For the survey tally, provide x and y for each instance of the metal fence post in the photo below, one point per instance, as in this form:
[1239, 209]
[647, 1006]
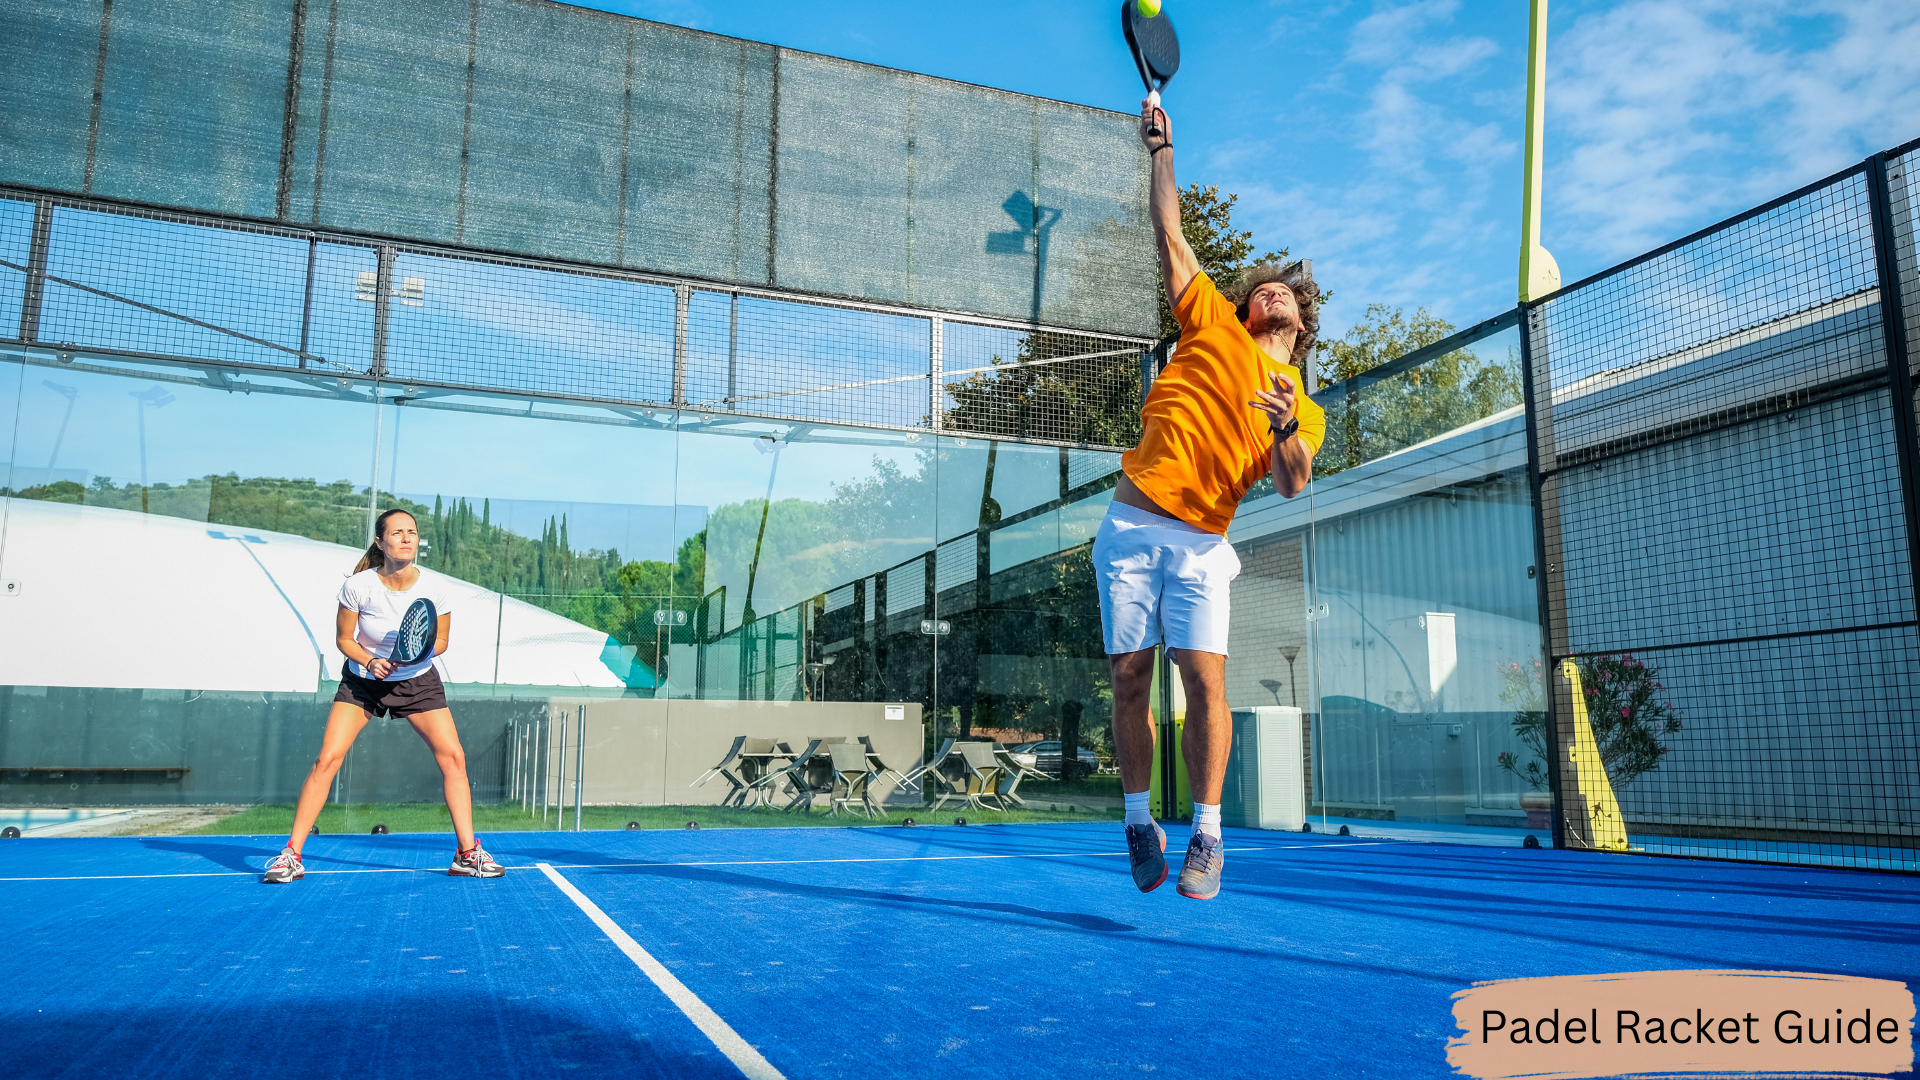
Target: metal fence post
[580, 761]
[1893, 325]
[682, 300]
[936, 393]
[36, 271]
[1530, 391]
[382, 308]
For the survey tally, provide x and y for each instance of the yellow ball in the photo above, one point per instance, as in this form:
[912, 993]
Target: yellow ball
[1147, 8]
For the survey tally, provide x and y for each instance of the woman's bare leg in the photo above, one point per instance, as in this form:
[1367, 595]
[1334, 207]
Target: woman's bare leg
[443, 738]
[344, 722]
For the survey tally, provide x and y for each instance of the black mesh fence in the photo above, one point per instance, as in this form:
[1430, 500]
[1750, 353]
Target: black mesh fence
[87, 277]
[549, 131]
[1723, 439]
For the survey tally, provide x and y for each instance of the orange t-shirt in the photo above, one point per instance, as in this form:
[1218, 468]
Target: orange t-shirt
[1201, 444]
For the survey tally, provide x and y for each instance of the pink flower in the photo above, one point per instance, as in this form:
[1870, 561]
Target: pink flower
[1624, 714]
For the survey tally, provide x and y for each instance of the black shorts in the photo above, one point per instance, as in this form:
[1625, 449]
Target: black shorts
[422, 693]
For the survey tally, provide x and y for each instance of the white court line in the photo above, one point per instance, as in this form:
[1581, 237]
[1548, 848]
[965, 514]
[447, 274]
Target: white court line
[743, 862]
[728, 1041]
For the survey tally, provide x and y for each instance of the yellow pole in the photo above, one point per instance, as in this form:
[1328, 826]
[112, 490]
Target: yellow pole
[1593, 816]
[1539, 274]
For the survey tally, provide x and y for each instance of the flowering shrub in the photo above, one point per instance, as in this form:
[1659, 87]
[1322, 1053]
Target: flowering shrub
[1624, 707]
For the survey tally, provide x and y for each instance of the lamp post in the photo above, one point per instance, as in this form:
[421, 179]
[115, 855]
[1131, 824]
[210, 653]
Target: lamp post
[155, 397]
[71, 394]
[1289, 652]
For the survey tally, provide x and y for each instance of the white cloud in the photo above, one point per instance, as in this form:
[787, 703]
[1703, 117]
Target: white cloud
[1663, 117]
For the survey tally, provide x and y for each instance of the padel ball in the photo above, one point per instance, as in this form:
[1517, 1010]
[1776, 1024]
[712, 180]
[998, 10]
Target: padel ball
[909, 823]
[633, 826]
[959, 821]
[1531, 841]
[379, 830]
[1344, 831]
[693, 824]
[1147, 8]
[10, 833]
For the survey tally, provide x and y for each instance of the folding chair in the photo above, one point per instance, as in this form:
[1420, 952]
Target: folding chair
[737, 788]
[795, 774]
[757, 757]
[914, 776]
[979, 779]
[852, 779]
[1013, 770]
[881, 768]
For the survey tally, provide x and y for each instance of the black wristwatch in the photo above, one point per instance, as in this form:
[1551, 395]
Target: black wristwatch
[1282, 434]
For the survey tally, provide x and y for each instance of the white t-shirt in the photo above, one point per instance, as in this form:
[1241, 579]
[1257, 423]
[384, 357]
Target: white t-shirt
[381, 610]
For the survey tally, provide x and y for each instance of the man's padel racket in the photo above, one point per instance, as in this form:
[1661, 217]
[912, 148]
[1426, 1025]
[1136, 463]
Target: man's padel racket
[419, 628]
[1156, 51]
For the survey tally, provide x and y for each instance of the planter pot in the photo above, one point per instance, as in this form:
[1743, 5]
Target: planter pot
[1539, 808]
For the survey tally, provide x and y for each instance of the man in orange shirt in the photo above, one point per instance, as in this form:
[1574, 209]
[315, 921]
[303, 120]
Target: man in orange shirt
[1229, 409]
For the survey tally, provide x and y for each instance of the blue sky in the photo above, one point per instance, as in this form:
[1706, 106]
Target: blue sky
[1383, 139]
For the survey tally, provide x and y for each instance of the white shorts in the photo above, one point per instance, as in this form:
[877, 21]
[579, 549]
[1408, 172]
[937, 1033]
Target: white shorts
[1161, 580]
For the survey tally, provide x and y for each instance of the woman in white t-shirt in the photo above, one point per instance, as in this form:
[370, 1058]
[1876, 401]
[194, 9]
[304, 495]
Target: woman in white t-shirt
[372, 602]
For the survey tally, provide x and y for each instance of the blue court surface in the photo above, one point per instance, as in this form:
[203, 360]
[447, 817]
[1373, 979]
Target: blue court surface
[932, 951]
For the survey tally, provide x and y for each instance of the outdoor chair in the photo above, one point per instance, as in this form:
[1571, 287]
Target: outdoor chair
[1014, 770]
[882, 769]
[756, 768]
[736, 787]
[915, 775]
[852, 779]
[795, 774]
[979, 779]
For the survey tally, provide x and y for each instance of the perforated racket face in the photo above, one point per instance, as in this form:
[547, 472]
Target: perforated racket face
[1155, 48]
[418, 628]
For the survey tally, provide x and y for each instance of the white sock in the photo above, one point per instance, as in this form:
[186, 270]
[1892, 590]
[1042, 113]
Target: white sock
[1137, 812]
[1206, 818]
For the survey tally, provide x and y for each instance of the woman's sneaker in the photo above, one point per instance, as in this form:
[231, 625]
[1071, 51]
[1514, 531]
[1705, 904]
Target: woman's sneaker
[283, 868]
[475, 862]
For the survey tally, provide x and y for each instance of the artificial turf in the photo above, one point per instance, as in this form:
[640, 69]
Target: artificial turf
[275, 818]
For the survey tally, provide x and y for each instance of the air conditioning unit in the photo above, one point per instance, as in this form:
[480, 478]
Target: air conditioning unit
[1266, 784]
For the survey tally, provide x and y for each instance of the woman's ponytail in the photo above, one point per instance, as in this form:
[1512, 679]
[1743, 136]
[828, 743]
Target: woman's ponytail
[375, 557]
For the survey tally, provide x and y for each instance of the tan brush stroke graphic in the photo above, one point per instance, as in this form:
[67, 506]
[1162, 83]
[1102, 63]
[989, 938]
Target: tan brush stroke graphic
[1763, 1023]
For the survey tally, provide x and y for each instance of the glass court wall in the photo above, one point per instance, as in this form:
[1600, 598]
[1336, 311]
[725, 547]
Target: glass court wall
[668, 524]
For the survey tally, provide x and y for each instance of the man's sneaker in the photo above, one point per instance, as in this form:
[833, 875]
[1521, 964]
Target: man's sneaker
[475, 862]
[1146, 845]
[1200, 877]
[283, 868]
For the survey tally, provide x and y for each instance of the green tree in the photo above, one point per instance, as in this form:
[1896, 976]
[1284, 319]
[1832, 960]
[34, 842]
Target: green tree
[1206, 220]
[1626, 708]
[1095, 399]
[1410, 407]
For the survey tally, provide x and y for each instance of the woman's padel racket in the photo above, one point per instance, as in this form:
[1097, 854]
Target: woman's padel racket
[1156, 51]
[419, 628]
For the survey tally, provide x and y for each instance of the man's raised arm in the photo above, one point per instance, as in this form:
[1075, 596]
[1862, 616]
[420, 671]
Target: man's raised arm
[1177, 264]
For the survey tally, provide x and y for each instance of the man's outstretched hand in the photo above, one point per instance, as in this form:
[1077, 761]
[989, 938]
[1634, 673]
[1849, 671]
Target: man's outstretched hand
[1277, 403]
[1150, 113]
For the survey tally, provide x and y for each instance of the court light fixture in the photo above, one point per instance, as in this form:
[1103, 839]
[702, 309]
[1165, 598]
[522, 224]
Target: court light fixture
[412, 291]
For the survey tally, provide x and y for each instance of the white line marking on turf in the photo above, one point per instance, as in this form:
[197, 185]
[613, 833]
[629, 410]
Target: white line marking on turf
[729, 1042]
[742, 862]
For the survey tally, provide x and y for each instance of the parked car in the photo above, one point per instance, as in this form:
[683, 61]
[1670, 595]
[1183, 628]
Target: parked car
[1046, 754]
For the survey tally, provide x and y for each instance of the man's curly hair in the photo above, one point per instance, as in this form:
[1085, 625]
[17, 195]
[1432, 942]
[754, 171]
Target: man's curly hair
[1306, 294]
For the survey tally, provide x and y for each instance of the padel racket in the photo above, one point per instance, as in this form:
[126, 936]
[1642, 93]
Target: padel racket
[1156, 51]
[419, 628]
